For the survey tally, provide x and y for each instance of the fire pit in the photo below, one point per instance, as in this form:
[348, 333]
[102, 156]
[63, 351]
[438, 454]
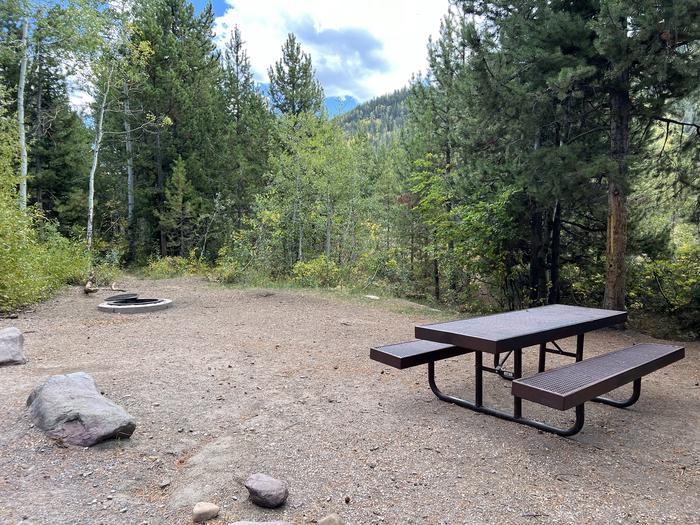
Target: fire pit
[129, 303]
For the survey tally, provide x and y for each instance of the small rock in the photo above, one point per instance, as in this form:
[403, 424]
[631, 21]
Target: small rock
[11, 347]
[204, 511]
[331, 519]
[165, 483]
[266, 491]
[373, 297]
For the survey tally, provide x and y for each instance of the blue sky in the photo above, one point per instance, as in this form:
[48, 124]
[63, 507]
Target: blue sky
[363, 48]
[220, 6]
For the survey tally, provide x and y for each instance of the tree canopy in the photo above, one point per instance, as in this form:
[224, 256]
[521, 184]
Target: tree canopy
[549, 153]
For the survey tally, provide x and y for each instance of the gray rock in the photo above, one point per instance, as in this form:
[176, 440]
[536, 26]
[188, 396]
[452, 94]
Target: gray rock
[11, 344]
[204, 511]
[266, 491]
[331, 519]
[70, 408]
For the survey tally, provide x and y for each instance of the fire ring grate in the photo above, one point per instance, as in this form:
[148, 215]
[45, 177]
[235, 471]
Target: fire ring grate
[131, 304]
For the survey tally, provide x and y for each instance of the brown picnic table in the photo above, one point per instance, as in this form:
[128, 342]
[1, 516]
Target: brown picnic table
[507, 334]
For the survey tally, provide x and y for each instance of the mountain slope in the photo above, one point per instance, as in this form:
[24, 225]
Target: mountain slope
[380, 118]
[334, 105]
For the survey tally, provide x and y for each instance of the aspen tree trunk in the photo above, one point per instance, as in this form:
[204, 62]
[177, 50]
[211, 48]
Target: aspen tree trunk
[20, 114]
[39, 119]
[297, 214]
[616, 246]
[130, 206]
[95, 157]
[329, 228]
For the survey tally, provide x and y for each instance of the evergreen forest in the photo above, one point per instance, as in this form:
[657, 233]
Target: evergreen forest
[549, 153]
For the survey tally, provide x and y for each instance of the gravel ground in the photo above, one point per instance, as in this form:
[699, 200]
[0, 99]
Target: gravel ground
[230, 382]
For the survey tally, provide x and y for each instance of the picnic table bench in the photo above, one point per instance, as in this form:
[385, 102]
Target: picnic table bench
[569, 386]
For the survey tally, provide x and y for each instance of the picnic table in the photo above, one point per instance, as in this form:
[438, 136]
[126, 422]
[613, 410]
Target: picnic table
[507, 334]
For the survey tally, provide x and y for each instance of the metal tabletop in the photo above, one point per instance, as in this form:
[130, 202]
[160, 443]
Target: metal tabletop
[514, 330]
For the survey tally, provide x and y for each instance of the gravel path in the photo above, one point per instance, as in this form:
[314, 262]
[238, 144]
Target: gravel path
[230, 382]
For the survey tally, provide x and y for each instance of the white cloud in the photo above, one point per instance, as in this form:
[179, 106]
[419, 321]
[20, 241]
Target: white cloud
[393, 35]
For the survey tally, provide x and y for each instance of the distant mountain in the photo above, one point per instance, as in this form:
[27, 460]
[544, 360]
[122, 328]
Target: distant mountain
[334, 105]
[380, 118]
[339, 105]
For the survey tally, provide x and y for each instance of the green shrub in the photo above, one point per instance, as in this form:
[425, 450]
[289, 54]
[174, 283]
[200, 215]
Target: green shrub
[166, 267]
[228, 270]
[316, 272]
[105, 273]
[35, 259]
[668, 286]
[67, 261]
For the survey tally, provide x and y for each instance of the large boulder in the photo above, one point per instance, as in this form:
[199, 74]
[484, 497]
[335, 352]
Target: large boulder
[11, 344]
[266, 491]
[70, 408]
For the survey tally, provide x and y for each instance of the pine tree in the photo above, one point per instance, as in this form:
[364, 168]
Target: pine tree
[177, 219]
[293, 86]
[650, 53]
[628, 60]
[249, 126]
[184, 97]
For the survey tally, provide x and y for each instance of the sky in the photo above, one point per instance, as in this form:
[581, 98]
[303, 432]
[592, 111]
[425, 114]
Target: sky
[363, 48]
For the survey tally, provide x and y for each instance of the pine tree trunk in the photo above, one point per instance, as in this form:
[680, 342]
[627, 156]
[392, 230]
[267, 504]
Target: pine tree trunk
[160, 186]
[182, 235]
[131, 202]
[20, 114]
[436, 279]
[95, 156]
[616, 246]
[535, 250]
[554, 265]
[300, 243]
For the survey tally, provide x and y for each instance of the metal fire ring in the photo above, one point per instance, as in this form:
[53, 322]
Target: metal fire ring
[121, 297]
[134, 306]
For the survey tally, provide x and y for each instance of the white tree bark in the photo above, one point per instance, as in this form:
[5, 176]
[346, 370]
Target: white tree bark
[95, 157]
[20, 114]
[129, 172]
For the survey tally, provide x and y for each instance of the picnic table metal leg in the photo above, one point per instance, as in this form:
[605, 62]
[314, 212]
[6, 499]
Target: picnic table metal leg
[579, 347]
[543, 357]
[472, 405]
[498, 364]
[478, 379]
[517, 374]
[636, 391]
